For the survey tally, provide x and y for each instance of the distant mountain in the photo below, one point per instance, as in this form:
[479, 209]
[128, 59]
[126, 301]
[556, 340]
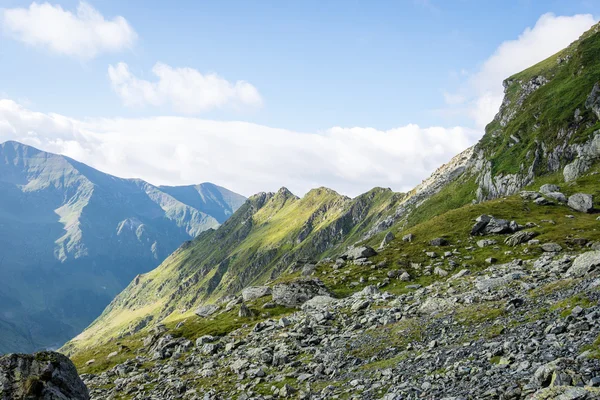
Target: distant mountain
[72, 237]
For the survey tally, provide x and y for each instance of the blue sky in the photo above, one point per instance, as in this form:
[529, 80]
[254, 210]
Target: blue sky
[314, 65]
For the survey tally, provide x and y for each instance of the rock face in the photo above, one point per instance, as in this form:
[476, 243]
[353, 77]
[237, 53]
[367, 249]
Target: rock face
[298, 292]
[581, 202]
[43, 376]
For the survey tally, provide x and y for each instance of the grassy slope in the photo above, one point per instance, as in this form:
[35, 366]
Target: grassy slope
[447, 214]
[453, 225]
[255, 245]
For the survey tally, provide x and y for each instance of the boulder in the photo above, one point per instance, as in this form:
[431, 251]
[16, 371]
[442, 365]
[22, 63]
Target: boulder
[255, 292]
[438, 242]
[43, 376]
[319, 303]
[496, 225]
[298, 292]
[408, 237]
[480, 223]
[388, 238]
[549, 188]
[575, 169]
[486, 242]
[584, 264]
[558, 196]
[551, 247]
[206, 310]
[528, 195]
[354, 253]
[244, 312]
[519, 237]
[581, 202]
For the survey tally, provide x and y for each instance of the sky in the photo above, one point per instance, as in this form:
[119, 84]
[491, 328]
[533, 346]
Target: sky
[258, 95]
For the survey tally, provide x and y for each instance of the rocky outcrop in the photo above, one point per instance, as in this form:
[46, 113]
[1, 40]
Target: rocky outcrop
[43, 376]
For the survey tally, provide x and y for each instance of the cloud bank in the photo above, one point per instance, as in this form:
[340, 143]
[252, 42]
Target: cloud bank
[186, 90]
[84, 34]
[244, 157]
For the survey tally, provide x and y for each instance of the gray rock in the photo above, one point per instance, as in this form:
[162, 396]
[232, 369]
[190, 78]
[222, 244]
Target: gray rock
[408, 238]
[551, 247]
[593, 100]
[575, 169]
[308, 270]
[438, 242]
[254, 292]
[542, 201]
[480, 223]
[207, 310]
[528, 195]
[486, 242]
[584, 264]
[319, 303]
[354, 253]
[581, 202]
[43, 376]
[558, 196]
[519, 237]
[549, 188]
[244, 312]
[296, 293]
[388, 238]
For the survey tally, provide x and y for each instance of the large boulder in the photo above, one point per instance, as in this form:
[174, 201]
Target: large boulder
[43, 376]
[207, 310]
[581, 202]
[354, 253]
[298, 292]
[255, 292]
[584, 264]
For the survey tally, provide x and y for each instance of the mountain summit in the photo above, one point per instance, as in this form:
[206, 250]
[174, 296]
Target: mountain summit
[72, 237]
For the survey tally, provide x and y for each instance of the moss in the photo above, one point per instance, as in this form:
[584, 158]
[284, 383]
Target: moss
[566, 305]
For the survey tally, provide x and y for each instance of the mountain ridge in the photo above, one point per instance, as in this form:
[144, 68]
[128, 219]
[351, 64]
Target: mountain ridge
[63, 220]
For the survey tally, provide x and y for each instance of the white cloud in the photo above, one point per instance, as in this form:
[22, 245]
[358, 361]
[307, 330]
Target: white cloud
[83, 34]
[241, 156]
[482, 92]
[187, 90]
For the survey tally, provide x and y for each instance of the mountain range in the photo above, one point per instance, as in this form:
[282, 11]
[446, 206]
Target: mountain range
[547, 130]
[72, 237]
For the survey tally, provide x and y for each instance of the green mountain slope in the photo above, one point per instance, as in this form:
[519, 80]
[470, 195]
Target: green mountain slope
[265, 237]
[548, 123]
[546, 131]
[72, 237]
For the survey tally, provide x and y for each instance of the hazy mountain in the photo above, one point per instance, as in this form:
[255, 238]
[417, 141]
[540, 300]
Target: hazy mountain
[72, 237]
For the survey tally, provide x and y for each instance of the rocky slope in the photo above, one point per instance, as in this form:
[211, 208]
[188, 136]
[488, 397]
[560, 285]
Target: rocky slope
[72, 237]
[486, 284]
[271, 233]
